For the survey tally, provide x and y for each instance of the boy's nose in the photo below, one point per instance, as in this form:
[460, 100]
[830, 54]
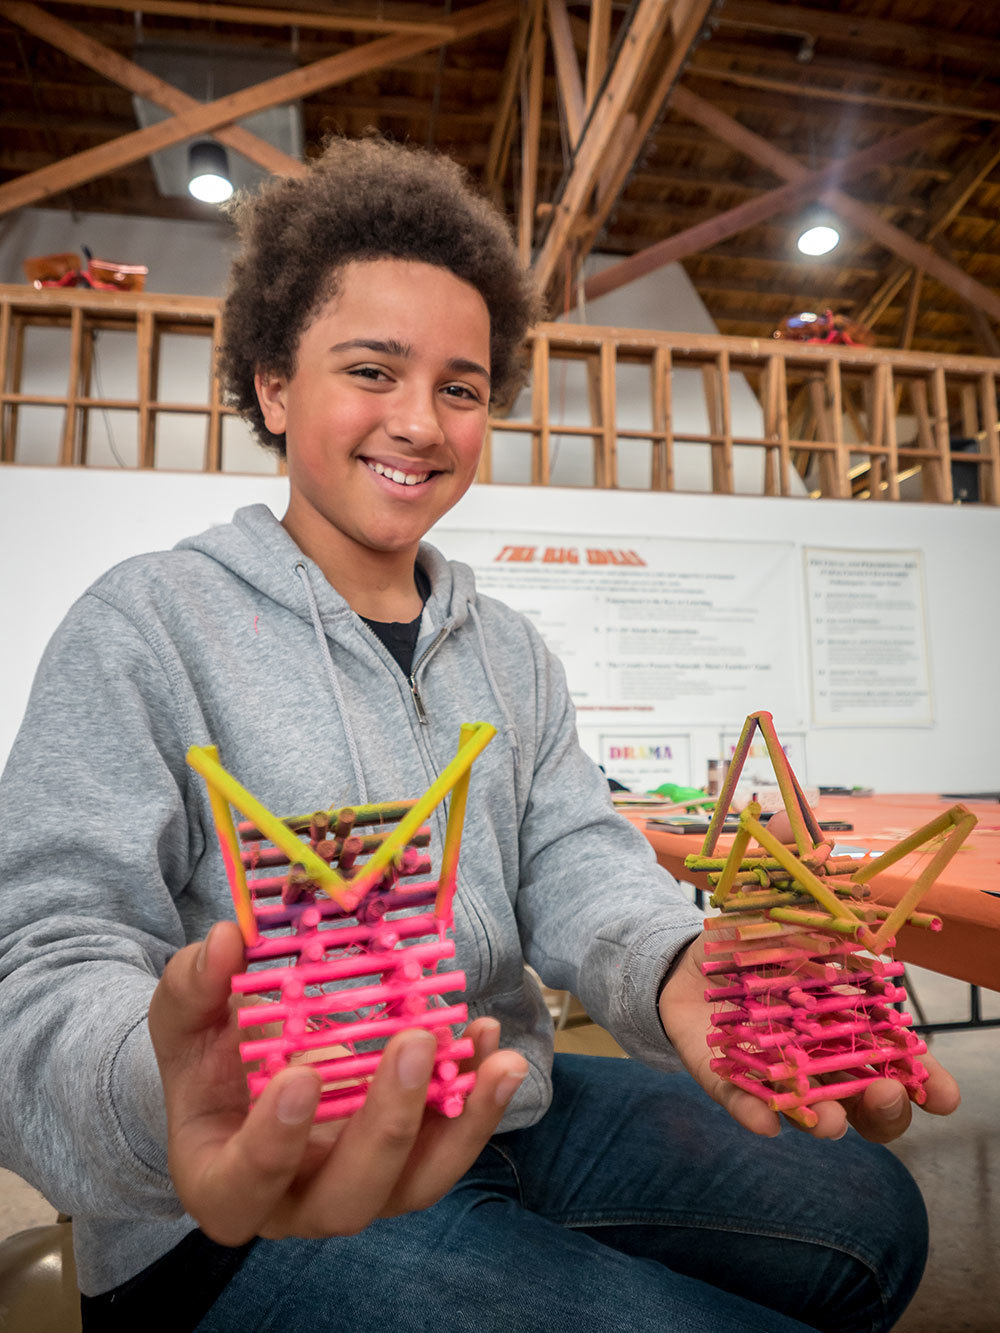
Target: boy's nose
[415, 419]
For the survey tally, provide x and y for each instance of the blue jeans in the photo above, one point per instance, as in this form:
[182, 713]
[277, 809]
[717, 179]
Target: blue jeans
[635, 1204]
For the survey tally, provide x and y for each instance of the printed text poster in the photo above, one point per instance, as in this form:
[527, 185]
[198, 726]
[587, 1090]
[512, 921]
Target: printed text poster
[868, 639]
[650, 629]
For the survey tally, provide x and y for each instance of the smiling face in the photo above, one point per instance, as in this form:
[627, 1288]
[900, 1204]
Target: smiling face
[384, 415]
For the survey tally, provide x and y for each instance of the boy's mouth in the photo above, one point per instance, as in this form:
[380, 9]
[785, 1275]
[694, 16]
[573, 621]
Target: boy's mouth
[396, 474]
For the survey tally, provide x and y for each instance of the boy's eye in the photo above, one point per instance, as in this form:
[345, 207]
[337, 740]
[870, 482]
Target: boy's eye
[462, 391]
[374, 373]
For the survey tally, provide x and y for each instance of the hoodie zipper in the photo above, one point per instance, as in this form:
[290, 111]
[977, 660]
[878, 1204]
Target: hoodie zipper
[418, 702]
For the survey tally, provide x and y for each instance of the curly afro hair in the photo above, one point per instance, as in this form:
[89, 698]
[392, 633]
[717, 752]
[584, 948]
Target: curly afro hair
[362, 199]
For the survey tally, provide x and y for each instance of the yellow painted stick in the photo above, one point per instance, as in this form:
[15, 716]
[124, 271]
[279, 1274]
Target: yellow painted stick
[447, 876]
[797, 917]
[230, 846]
[729, 786]
[786, 783]
[914, 841]
[800, 873]
[740, 844]
[916, 891]
[203, 761]
[482, 734]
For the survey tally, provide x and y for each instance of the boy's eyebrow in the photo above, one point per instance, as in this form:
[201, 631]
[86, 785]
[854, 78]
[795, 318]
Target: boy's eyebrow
[462, 367]
[391, 347]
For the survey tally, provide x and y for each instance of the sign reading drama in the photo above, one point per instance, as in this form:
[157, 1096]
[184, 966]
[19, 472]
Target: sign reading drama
[652, 629]
[867, 638]
[642, 761]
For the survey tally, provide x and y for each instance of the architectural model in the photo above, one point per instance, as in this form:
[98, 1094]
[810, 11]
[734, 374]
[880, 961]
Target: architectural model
[807, 1000]
[344, 931]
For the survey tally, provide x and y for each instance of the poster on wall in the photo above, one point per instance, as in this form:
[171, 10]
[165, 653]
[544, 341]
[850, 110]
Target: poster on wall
[867, 638]
[651, 630]
[644, 760]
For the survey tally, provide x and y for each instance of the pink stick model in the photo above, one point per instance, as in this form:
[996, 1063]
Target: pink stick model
[336, 953]
[806, 1002]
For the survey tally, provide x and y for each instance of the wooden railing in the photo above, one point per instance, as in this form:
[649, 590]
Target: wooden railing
[834, 421]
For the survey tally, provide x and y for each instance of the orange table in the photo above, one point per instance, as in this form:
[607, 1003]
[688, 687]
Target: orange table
[966, 896]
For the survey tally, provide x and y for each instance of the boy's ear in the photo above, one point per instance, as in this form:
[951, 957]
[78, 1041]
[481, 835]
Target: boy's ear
[271, 396]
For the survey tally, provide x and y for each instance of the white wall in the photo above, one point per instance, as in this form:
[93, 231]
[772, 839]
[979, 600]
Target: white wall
[60, 528]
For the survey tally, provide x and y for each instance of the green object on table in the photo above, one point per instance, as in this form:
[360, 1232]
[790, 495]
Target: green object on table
[670, 791]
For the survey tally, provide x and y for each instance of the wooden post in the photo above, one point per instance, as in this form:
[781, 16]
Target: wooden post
[989, 472]
[593, 369]
[540, 411]
[213, 441]
[722, 450]
[16, 375]
[877, 417]
[609, 424]
[968, 400]
[829, 482]
[86, 372]
[940, 471]
[777, 452]
[146, 344]
[67, 454]
[661, 387]
[6, 436]
[484, 473]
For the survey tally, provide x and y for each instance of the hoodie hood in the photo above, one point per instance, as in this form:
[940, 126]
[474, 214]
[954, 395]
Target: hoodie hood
[257, 549]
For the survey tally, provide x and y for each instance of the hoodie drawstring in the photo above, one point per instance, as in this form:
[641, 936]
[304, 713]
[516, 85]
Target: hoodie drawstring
[331, 671]
[491, 680]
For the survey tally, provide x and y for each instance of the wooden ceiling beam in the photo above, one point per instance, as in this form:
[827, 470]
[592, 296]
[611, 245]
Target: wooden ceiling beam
[650, 51]
[270, 18]
[598, 46]
[865, 219]
[206, 117]
[103, 60]
[704, 235]
[530, 133]
[686, 23]
[505, 114]
[568, 78]
[979, 110]
[648, 23]
[945, 209]
[861, 29]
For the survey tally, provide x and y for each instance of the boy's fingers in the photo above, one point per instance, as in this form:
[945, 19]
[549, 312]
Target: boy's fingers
[233, 1187]
[484, 1033]
[372, 1152]
[447, 1148]
[193, 993]
[943, 1096]
[882, 1112]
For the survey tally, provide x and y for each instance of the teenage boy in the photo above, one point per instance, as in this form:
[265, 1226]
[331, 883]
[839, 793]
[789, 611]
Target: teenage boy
[376, 310]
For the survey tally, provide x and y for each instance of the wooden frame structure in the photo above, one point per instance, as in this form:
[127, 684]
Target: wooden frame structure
[853, 421]
[609, 88]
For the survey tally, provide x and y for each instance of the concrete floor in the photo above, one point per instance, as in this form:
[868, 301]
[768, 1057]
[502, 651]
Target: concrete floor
[956, 1162]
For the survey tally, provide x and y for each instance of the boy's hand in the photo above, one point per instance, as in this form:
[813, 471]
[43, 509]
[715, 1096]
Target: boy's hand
[881, 1113]
[271, 1172]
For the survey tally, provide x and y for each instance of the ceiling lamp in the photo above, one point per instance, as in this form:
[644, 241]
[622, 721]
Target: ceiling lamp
[208, 172]
[818, 237]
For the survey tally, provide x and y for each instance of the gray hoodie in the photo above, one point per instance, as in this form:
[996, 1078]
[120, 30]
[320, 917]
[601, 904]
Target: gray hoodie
[109, 862]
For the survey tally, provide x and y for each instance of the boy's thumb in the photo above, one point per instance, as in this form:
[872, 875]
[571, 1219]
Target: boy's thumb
[193, 993]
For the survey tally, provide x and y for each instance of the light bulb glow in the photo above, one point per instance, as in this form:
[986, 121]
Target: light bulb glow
[819, 240]
[210, 189]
